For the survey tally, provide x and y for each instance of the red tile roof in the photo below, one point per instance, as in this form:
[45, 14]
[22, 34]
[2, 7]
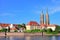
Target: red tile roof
[51, 25]
[33, 23]
[4, 25]
[13, 28]
[42, 25]
[8, 25]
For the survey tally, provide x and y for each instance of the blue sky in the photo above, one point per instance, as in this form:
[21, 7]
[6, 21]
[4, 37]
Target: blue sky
[23, 11]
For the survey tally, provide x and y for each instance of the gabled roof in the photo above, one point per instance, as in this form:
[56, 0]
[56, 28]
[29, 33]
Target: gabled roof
[42, 25]
[51, 25]
[34, 23]
[4, 25]
[13, 28]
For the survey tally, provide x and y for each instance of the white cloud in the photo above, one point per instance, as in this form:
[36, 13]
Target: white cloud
[51, 10]
[54, 10]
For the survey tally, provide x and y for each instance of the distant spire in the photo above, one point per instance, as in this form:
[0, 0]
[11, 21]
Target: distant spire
[47, 17]
[46, 10]
[42, 18]
[42, 12]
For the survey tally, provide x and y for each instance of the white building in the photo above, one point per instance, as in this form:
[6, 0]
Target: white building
[32, 25]
[53, 27]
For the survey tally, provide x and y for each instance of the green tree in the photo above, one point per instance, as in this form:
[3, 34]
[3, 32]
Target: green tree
[3, 30]
[23, 25]
[8, 29]
[49, 31]
[57, 29]
[15, 30]
[19, 25]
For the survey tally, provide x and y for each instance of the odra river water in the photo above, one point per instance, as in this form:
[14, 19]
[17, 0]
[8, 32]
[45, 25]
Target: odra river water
[30, 38]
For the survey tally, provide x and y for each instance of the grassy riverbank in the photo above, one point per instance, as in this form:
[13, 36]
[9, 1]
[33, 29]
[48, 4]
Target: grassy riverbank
[47, 31]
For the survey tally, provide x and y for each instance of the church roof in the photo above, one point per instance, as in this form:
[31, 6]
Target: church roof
[34, 23]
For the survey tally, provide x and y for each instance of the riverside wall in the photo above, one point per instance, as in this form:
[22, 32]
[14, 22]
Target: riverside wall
[24, 34]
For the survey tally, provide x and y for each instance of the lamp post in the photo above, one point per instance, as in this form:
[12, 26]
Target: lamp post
[42, 32]
[5, 32]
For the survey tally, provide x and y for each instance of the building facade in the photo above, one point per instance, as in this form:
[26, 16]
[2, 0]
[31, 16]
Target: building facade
[32, 25]
[44, 24]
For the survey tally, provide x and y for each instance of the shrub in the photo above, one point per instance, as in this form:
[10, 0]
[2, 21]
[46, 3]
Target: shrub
[49, 31]
[44, 30]
[28, 31]
[15, 30]
[55, 32]
[35, 30]
[32, 31]
[3, 30]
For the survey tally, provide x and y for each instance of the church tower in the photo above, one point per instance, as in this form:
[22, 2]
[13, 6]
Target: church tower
[42, 18]
[47, 18]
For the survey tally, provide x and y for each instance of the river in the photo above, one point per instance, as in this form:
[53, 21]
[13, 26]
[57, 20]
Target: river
[30, 38]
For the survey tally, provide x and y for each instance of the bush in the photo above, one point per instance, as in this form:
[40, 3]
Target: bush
[54, 32]
[49, 31]
[3, 30]
[0, 30]
[57, 29]
[35, 30]
[28, 31]
[15, 30]
[44, 30]
[32, 31]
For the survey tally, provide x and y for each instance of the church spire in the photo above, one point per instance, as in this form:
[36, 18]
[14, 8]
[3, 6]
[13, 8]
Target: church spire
[42, 18]
[47, 18]
[47, 11]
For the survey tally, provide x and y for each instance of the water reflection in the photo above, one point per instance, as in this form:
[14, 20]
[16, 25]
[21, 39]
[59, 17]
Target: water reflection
[58, 37]
[53, 37]
[27, 38]
[16, 38]
[31, 38]
[36, 38]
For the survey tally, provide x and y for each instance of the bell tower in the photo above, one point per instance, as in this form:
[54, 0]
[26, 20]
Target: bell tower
[42, 18]
[47, 18]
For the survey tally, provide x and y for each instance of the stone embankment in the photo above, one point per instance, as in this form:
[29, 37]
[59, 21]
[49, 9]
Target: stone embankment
[24, 34]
